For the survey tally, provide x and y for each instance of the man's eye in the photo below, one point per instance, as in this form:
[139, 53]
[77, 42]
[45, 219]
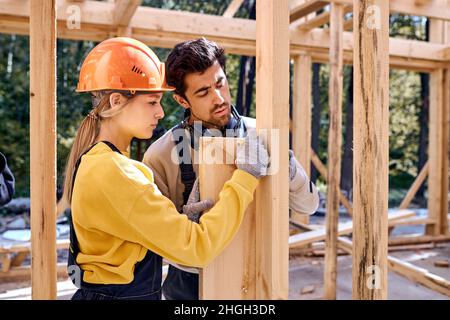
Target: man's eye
[204, 94]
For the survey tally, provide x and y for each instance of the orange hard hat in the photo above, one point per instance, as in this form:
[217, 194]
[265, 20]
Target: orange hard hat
[122, 64]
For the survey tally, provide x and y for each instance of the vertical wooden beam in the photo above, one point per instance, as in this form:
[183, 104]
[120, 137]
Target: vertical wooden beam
[438, 141]
[371, 149]
[272, 114]
[301, 119]
[232, 275]
[334, 148]
[301, 111]
[43, 147]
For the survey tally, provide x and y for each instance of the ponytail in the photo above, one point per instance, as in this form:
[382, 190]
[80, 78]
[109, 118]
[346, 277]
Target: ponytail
[86, 135]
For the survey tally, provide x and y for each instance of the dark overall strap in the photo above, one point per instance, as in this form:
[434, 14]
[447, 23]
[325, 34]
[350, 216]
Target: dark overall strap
[188, 175]
[74, 248]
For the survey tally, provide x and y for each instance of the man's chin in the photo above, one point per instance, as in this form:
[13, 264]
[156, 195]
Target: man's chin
[222, 121]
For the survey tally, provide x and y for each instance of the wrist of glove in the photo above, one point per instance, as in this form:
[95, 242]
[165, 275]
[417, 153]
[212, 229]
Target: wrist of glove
[252, 155]
[194, 206]
[292, 166]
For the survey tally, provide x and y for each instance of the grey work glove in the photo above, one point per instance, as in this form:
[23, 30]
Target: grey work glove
[292, 166]
[194, 207]
[252, 155]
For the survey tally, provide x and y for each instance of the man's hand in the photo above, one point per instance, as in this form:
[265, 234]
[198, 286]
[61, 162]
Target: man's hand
[194, 207]
[252, 155]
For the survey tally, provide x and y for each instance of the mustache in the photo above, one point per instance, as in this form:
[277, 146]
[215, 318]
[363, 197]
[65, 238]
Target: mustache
[219, 106]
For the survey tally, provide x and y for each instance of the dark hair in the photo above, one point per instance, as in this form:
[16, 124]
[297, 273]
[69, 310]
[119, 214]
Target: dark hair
[189, 57]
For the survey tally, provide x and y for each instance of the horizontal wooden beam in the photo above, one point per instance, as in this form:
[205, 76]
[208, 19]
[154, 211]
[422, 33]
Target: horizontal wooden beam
[343, 228]
[26, 247]
[320, 19]
[165, 28]
[301, 8]
[438, 9]
[408, 270]
[23, 273]
[397, 241]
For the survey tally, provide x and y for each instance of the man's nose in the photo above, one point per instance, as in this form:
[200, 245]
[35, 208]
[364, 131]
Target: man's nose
[218, 98]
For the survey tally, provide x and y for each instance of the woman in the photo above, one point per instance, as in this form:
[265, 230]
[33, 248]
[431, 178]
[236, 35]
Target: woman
[122, 226]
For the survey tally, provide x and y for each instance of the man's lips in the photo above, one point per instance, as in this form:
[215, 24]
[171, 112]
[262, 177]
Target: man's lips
[221, 111]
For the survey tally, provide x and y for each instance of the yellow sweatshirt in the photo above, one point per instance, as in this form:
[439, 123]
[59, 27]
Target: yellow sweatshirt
[119, 213]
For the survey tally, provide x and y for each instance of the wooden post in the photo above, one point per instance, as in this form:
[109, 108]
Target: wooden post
[371, 149]
[43, 147]
[301, 119]
[272, 113]
[301, 111]
[232, 275]
[334, 148]
[438, 141]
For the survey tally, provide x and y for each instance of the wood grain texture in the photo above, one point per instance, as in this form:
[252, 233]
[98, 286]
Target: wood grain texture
[371, 149]
[43, 147]
[272, 114]
[232, 275]
[335, 88]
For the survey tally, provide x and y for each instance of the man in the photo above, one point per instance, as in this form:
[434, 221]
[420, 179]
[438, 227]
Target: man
[197, 71]
[6, 182]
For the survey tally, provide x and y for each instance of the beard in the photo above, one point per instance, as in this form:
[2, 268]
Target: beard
[222, 120]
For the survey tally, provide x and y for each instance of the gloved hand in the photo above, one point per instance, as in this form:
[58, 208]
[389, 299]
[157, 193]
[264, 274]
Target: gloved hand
[292, 165]
[194, 207]
[252, 156]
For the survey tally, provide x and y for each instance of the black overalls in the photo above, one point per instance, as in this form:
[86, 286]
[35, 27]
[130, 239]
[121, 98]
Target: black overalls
[146, 284]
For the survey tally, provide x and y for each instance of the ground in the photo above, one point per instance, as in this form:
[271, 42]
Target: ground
[306, 272]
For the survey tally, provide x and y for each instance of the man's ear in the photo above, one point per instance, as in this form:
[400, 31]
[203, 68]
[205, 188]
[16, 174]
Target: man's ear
[181, 101]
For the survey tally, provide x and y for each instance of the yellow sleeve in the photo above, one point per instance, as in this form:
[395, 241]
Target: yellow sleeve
[158, 226]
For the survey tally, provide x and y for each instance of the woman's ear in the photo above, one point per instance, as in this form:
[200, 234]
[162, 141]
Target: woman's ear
[181, 101]
[116, 99]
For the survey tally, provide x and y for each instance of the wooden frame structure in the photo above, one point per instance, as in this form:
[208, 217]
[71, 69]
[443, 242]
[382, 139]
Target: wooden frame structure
[290, 28]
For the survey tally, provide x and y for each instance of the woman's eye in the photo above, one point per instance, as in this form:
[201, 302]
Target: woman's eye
[153, 103]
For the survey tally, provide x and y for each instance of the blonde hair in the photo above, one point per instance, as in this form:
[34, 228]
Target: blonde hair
[87, 134]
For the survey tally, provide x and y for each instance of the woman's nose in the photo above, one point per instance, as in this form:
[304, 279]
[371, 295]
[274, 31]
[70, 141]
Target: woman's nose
[160, 112]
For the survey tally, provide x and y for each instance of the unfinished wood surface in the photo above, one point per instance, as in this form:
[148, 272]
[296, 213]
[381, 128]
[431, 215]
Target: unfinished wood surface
[124, 11]
[232, 8]
[26, 247]
[370, 149]
[335, 88]
[301, 119]
[232, 275]
[409, 271]
[301, 111]
[165, 28]
[415, 186]
[301, 8]
[438, 141]
[272, 117]
[321, 19]
[343, 228]
[24, 272]
[418, 240]
[323, 172]
[43, 148]
[438, 9]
